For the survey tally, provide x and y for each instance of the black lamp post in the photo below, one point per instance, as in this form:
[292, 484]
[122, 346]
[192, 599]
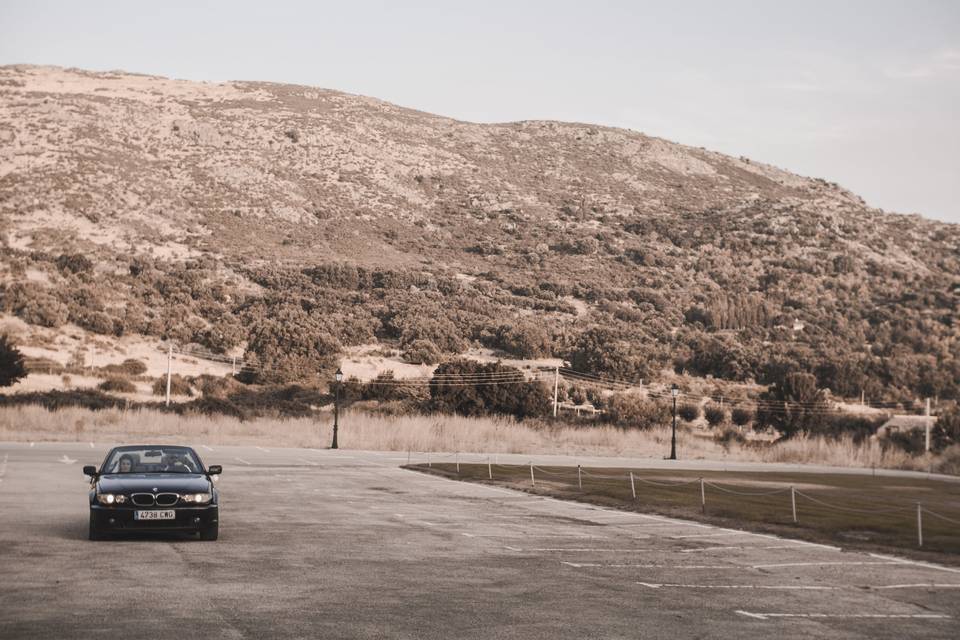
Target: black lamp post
[674, 391]
[336, 406]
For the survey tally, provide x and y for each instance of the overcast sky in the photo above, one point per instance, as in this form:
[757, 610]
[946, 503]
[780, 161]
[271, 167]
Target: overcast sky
[866, 94]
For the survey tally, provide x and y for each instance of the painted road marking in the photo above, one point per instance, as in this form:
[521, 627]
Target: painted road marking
[521, 534]
[779, 565]
[594, 550]
[264, 450]
[795, 587]
[91, 445]
[206, 447]
[309, 462]
[777, 587]
[338, 456]
[710, 535]
[32, 444]
[654, 524]
[65, 460]
[241, 460]
[914, 616]
[917, 563]
[740, 548]
[929, 585]
[727, 567]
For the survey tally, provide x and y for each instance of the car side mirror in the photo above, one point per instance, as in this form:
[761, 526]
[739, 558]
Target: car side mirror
[90, 470]
[214, 470]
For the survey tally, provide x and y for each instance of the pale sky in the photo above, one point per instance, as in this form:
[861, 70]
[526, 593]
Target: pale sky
[866, 94]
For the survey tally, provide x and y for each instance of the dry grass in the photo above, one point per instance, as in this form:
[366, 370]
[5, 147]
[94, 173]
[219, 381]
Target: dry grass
[853, 510]
[430, 433]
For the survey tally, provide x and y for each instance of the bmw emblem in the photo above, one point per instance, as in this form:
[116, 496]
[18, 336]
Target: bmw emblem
[155, 489]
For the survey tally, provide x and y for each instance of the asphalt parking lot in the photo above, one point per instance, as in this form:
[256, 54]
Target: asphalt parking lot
[344, 544]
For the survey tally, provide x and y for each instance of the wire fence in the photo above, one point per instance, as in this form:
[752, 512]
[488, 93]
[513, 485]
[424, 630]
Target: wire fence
[785, 504]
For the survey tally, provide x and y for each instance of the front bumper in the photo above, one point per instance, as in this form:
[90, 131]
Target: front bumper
[121, 518]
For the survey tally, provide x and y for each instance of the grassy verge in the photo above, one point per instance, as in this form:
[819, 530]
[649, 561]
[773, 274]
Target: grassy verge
[445, 433]
[872, 513]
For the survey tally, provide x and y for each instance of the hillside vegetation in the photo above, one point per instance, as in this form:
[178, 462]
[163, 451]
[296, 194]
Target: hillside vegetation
[294, 222]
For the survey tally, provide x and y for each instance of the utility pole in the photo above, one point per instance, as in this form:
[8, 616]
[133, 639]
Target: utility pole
[927, 425]
[556, 389]
[169, 365]
[674, 391]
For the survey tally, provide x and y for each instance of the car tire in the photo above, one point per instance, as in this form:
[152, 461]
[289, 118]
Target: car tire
[94, 533]
[210, 532]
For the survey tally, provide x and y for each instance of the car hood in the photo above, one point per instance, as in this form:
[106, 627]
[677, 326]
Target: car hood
[145, 482]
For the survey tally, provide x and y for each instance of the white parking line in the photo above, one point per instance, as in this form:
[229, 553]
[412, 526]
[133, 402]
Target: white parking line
[32, 444]
[656, 524]
[929, 585]
[523, 534]
[914, 616]
[728, 567]
[593, 550]
[916, 563]
[262, 449]
[91, 445]
[740, 548]
[796, 587]
[731, 566]
[241, 460]
[309, 462]
[780, 565]
[206, 447]
[773, 587]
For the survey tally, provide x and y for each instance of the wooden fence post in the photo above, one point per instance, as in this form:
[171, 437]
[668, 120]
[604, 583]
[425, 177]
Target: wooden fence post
[919, 525]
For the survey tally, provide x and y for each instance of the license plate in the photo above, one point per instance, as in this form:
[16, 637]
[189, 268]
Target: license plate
[155, 515]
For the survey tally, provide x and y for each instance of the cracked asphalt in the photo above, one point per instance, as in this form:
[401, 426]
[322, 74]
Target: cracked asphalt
[345, 544]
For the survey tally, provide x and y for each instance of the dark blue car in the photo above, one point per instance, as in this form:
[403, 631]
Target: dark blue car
[158, 488]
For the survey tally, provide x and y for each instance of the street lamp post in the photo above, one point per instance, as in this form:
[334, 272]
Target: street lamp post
[674, 391]
[336, 406]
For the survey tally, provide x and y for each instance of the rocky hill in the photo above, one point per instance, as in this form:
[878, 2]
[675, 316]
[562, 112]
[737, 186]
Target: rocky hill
[293, 221]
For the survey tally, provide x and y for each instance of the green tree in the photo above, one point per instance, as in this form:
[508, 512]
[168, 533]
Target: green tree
[792, 405]
[12, 367]
[633, 410]
[715, 415]
[475, 388]
[688, 411]
[741, 416]
[290, 346]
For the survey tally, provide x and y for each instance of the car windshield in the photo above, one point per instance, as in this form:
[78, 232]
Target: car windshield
[152, 460]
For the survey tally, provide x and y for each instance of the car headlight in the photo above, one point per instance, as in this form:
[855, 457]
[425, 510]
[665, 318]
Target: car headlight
[197, 498]
[110, 498]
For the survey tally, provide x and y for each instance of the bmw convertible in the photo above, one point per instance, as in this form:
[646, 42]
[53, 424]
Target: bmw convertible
[153, 488]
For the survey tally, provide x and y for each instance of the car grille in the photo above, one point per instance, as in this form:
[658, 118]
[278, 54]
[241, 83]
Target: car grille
[143, 499]
[167, 499]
